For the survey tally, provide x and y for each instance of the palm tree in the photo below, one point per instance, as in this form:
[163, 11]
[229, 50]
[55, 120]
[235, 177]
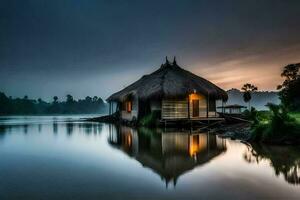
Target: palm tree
[247, 90]
[55, 99]
[95, 98]
[69, 98]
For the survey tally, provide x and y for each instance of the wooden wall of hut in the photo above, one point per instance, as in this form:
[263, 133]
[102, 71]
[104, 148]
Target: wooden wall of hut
[174, 109]
[185, 108]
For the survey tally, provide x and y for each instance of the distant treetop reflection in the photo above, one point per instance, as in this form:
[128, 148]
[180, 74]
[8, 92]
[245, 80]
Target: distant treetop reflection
[168, 153]
[285, 160]
[68, 127]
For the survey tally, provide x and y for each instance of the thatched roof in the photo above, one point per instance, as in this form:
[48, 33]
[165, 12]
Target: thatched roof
[169, 81]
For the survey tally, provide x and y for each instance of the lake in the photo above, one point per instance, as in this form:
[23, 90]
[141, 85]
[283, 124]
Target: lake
[60, 157]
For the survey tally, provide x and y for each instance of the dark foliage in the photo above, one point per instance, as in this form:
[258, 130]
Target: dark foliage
[151, 120]
[290, 88]
[281, 128]
[252, 115]
[26, 106]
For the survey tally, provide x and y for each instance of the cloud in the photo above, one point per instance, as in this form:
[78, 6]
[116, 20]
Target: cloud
[262, 69]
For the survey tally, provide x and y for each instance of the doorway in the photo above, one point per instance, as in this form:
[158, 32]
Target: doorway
[195, 103]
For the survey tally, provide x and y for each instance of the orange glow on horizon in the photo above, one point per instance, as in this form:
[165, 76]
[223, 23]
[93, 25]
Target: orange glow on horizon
[262, 69]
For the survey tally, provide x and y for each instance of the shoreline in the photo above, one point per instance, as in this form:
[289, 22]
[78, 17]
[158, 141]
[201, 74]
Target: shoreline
[234, 131]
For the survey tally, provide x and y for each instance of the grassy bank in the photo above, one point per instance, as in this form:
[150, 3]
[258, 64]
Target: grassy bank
[276, 126]
[265, 116]
[296, 115]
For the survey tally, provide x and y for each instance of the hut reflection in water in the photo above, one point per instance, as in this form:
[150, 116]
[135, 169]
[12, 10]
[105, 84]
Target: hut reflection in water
[168, 153]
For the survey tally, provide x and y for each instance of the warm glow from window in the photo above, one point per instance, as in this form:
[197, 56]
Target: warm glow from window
[196, 144]
[196, 96]
[128, 140]
[128, 106]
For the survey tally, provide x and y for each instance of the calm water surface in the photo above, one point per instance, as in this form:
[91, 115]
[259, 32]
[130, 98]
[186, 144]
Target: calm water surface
[62, 158]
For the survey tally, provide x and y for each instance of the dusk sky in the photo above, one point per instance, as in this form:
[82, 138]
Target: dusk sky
[89, 47]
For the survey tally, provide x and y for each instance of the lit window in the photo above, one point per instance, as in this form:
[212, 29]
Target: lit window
[128, 106]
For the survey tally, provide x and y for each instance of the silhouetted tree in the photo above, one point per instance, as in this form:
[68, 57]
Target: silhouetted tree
[69, 98]
[95, 98]
[88, 99]
[290, 88]
[5, 104]
[55, 99]
[247, 90]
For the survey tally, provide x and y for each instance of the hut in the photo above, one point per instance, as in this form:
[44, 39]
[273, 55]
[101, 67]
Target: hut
[171, 91]
[234, 109]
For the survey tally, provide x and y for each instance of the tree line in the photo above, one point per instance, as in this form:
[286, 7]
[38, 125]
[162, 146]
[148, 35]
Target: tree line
[26, 106]
[289, 90]
[279, 125]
